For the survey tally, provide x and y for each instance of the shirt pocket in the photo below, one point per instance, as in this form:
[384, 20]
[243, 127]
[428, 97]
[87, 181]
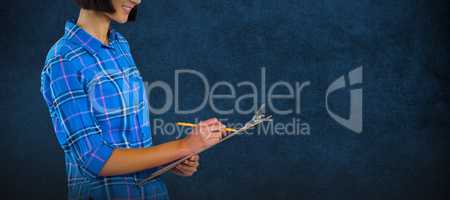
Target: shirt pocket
[106, 95]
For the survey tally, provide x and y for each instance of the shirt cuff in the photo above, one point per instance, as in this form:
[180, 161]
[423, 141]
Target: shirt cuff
[98, 157]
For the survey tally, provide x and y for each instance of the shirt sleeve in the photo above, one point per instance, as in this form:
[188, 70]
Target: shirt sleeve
[70, 102]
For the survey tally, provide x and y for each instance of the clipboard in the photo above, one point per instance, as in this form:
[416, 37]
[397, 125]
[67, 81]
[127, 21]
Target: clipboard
[257, 119]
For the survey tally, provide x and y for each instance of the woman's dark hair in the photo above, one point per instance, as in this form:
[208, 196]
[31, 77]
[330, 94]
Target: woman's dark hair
[105, 6]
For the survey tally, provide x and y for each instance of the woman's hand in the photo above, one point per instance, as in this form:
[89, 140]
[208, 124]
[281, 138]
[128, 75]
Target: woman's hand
[188, 167]
[205, 134]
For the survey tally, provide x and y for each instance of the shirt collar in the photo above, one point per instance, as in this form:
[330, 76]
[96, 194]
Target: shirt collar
[76, 34]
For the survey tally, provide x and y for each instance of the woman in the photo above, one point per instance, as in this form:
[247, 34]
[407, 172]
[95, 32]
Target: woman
[99, 111]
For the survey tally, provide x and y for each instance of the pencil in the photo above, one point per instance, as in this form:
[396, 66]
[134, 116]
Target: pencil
[194, 125]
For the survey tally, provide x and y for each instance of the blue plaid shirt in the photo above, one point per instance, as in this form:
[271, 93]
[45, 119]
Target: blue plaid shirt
[97, 103]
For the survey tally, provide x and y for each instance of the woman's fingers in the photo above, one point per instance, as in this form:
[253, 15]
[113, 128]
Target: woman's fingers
[194, 158]
[177, 172]
[189, 166]
[211, 121]
[209, 132]
[185, 169]
[193, 161]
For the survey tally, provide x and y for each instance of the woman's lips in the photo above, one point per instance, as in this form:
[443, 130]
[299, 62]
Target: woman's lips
[127, 9]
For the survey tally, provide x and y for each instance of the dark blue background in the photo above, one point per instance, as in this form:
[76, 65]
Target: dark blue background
[402, 44]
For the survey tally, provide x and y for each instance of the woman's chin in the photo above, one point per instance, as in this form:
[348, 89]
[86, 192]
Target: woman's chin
[121, 20]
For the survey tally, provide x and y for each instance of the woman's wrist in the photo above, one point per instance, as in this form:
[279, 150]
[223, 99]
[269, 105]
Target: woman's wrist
[185, 147]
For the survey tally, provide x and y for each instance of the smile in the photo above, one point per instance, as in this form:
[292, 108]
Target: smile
[127, 9]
